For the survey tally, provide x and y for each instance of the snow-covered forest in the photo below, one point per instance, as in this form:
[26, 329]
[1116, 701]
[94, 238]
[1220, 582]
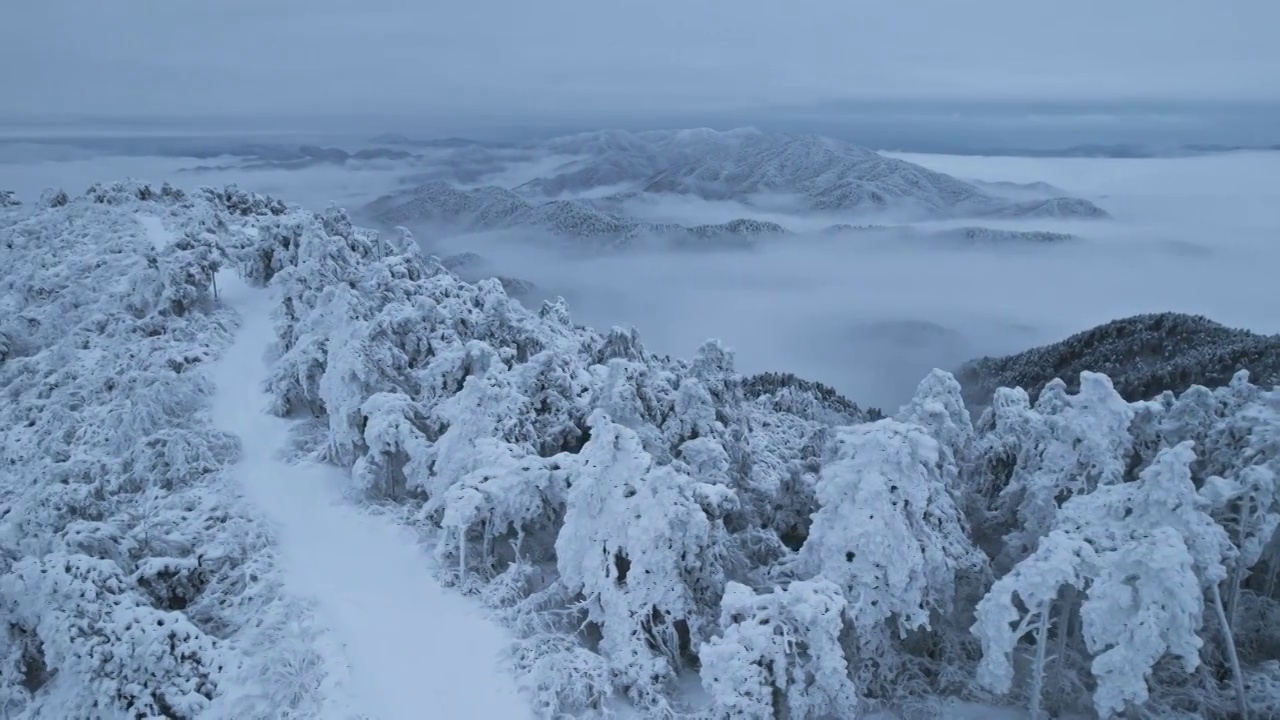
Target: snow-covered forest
[644, 524]
[135, 581]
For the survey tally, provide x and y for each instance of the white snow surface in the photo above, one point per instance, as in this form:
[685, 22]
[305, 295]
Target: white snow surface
[413, 648]
[154, 227]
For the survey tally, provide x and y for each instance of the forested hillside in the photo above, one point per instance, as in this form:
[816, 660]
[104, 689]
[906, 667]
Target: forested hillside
[134, 580]
[1144, 355]
[638, 520]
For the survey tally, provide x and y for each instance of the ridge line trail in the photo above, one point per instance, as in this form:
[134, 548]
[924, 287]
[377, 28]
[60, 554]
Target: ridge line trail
[415, 650]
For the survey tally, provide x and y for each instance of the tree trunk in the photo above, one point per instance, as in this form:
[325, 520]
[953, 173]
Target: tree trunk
[1037, 667]
[1238, 571]
[1237, 678]
[1064, 632]
[462, 554]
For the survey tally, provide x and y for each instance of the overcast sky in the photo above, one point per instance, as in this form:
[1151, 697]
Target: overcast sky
[453, 57]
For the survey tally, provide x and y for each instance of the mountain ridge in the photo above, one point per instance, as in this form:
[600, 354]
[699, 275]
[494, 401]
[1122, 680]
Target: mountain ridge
[496, 208]
[830, 175]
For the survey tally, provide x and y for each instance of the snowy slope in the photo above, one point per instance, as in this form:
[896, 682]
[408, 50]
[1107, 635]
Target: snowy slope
[415, 649]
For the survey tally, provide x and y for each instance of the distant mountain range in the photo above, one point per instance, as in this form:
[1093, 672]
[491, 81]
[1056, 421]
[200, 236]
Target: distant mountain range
[496, 208]
[745, 164]
[292, 157]
[452, 142]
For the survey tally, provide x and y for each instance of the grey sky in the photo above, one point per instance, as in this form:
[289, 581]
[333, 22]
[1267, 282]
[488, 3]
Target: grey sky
[441, 57]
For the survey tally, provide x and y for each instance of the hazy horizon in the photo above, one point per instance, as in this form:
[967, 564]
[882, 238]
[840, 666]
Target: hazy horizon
[936, 126]
[563, 57]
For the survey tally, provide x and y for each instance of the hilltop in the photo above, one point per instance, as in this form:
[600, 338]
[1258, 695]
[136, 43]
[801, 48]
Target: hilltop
[1144, 355]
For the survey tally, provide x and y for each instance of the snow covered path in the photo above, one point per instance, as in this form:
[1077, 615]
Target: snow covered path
[415, 650]
[154, 229]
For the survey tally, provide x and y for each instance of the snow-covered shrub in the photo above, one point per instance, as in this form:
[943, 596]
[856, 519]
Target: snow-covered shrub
[273, 248]
[780, 652]
[239, 202]
[1262, 689]
[190, 265]
[558, 675]
[109, 648]
[53, 198]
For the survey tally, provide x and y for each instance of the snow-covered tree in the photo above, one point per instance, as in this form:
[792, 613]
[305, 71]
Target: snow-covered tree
[302, 352]
[1066, 445]
[641, 397]
[397, 447]
[889, 535]
[554, 384]
[191, 263]
[1143, 554]
[273, 248]
[359, 364]
[641, 549]
[938, 408]
[487, 406]
[1237, 431]
[779, 654]
[510, 494]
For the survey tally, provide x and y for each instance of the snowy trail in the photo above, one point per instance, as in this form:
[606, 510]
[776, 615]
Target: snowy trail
[416, 651]
[154, 229]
